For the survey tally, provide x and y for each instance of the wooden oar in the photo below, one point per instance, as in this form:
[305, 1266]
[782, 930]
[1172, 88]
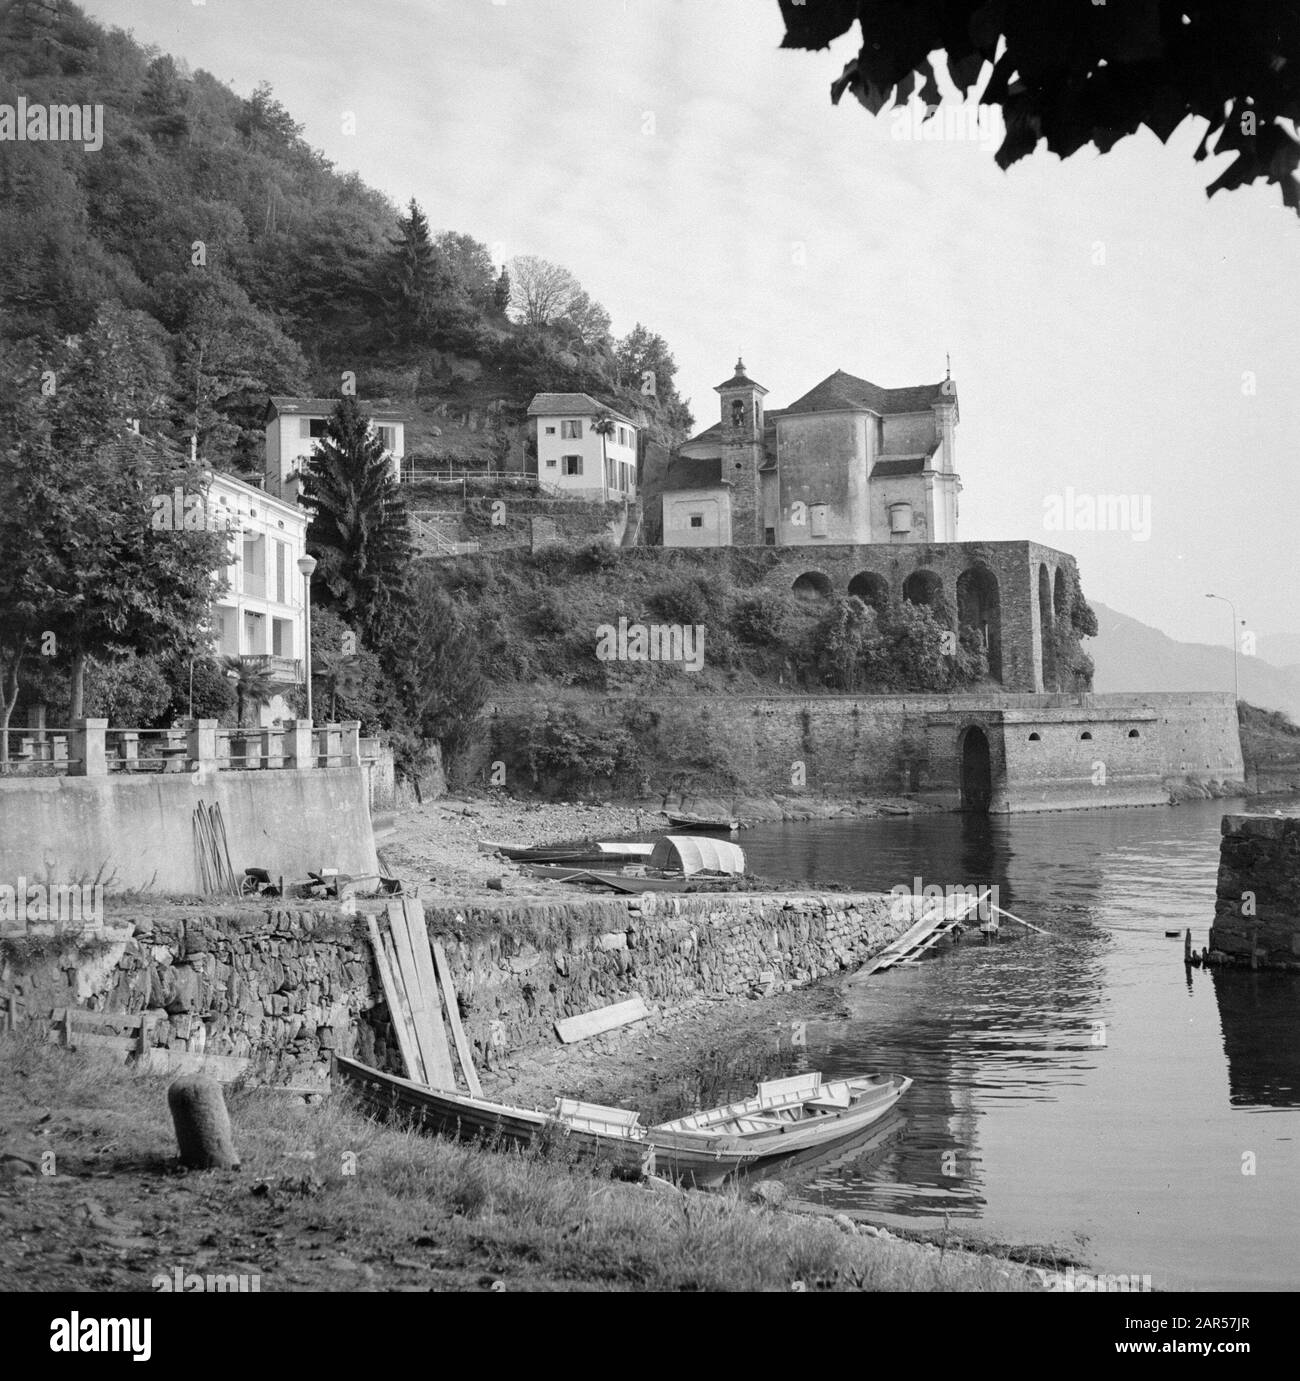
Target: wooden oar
[1018, 921]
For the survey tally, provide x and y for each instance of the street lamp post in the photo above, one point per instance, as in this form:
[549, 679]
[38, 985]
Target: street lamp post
[1236, 692]
[307, 564]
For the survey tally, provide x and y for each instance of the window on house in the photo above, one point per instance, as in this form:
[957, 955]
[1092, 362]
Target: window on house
[281, 638]
[571, 431]
[817, 519]
[572, 465]
[550, 464]
[388, 435]
[254, 566]
[281, 563]
[697, 519]
[550, 431]
[312, 428]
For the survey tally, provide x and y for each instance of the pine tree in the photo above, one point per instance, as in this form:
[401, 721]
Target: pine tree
[359, 531]
[415, 281]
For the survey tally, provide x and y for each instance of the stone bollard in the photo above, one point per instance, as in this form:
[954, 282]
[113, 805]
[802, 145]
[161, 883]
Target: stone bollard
[202, 1123]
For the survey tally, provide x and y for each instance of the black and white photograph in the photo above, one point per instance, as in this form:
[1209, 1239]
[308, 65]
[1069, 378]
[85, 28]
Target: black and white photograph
[649, 647]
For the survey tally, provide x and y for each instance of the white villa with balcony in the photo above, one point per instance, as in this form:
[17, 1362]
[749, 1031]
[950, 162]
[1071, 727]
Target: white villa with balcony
[261, 614]
[575, 459]
[294, 425]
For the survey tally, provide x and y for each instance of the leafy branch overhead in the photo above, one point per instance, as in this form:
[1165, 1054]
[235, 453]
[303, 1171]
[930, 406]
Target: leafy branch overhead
[1078, 72]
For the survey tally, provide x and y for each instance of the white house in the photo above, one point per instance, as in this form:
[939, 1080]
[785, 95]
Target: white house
[574, 458]
[261, 614]
[294, 425]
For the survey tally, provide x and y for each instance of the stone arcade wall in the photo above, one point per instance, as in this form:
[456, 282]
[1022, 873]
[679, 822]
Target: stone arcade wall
[1257, 907]
[288, 988]
[849, 745]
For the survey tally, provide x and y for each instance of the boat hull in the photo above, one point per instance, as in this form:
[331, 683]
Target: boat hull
[388, 1097]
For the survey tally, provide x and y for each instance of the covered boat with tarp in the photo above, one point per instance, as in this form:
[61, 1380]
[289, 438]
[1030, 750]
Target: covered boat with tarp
[692, 853]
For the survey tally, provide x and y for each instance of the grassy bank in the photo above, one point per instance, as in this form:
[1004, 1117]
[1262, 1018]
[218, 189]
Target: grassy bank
[327, 1200]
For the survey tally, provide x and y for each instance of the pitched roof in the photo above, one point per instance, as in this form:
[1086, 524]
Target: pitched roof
[740, 380]
[322, 407]
[841, 392]
[685, 473]
[579, 404]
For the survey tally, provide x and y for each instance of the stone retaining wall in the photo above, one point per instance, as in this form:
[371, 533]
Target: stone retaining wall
[1257, 907]
[288, 988]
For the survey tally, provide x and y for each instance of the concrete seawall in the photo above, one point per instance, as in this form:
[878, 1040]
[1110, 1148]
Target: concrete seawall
[1257, 906]
[136, 833]
[286, 989]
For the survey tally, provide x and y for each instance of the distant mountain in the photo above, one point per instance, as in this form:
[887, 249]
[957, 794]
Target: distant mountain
[1282, 649]
[1133, 656]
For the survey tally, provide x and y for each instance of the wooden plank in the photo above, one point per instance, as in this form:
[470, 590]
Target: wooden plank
[438, 1063]
[463, 1052]
[223, 1068]
[406, 982]
[386, 978]
[570, 1029]
[403, 1005]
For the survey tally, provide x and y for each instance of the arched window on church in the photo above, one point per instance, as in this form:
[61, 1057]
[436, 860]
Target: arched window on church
[737, 412]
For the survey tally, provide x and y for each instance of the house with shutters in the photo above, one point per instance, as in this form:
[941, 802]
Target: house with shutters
[848, 462]
[572, 455]
[295, 425]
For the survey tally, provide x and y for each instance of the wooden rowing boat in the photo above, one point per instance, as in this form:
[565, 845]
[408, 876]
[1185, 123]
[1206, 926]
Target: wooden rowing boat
[789, 1116]
[587, 1131]
[569, 853]
[701, 822]
[786, 1118]
[633, 882]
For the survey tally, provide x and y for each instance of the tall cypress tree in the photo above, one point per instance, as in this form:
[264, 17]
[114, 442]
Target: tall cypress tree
[359, 532]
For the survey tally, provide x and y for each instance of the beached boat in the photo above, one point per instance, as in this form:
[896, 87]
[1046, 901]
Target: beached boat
[786, 1118]
[569, 853]
[613, 1136]
[678, 863]
[712, 825]
[634, 881]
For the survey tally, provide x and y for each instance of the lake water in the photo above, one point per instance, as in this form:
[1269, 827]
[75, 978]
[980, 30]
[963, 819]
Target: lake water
[1084, 1088]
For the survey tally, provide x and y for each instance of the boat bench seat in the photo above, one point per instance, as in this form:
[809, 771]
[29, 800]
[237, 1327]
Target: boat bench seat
[571, 1109]
[831, 1098]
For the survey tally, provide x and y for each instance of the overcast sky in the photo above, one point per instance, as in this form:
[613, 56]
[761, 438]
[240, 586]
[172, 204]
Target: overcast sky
[1112, 331]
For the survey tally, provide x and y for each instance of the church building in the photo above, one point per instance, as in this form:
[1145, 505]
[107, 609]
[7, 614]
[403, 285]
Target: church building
[848, 463]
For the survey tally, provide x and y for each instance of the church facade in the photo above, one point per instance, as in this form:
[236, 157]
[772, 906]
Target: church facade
[848, 462]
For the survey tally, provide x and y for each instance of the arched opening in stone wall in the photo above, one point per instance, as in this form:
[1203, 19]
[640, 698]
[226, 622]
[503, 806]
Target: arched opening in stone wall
[1046, 630]
[976, 770]
[812, 586]
[979, 606]
[871, 589]
[924, 588]
[1058, 596]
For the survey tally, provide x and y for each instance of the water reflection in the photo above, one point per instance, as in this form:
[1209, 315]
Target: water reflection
[1064, 1083]
[1257, 1012]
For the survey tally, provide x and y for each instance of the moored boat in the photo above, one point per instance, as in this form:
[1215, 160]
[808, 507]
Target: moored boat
[711, 825]
[613, 1136]
[785, 1118]
[603, 853]
[789, 1116]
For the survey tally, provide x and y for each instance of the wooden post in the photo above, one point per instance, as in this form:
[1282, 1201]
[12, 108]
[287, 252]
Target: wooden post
[1187, 946]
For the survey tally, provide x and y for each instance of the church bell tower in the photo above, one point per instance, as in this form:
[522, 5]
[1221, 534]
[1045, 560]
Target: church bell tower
[742, 453]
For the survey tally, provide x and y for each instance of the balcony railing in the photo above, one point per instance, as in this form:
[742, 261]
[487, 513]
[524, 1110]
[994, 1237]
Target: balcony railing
[91, 749]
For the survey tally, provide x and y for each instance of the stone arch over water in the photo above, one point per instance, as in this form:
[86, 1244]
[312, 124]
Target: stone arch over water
[976, 770]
